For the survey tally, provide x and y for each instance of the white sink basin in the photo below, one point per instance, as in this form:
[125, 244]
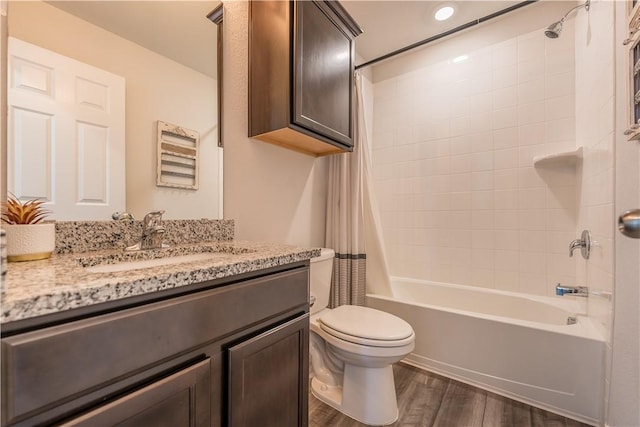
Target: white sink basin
[156, 262]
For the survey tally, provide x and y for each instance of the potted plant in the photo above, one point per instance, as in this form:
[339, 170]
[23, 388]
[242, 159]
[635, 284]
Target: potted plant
[28, 237]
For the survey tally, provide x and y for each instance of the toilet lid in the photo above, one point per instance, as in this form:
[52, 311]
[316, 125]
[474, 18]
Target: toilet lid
[356, 324]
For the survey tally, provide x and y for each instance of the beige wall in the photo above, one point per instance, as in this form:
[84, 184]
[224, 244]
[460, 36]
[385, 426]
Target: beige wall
[272, 193]
[156, 89]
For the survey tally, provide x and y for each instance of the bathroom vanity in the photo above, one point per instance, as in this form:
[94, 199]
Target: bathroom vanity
[217, 341]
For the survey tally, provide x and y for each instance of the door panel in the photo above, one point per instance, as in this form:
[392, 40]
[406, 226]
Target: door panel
[182, 399]
[269, 376]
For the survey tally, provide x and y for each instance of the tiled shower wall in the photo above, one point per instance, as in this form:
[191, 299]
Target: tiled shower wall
[453, 148]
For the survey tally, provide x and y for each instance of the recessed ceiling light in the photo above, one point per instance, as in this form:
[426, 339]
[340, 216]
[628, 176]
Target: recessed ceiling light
[443, 13]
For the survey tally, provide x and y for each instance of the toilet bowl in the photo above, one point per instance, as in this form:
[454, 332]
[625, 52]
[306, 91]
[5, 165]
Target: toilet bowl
[352, 349]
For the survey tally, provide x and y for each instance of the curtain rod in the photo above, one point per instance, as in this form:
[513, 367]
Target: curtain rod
[446, 33]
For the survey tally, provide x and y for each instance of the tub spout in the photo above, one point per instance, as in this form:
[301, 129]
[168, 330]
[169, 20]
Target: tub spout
[578, 291]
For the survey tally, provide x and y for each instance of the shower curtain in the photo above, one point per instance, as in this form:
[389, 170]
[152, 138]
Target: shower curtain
[353, 225]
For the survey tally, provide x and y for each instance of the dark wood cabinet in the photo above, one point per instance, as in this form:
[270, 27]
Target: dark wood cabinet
[182, 399]
[169, 361]
[268, 377]
[301, 65]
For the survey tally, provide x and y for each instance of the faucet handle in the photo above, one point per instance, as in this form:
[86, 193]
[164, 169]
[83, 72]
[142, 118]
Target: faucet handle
[152, 218]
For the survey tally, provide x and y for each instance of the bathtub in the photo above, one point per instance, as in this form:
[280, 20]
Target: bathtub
[512, 344]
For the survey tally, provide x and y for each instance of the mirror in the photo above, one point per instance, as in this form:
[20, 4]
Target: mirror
[166, 53]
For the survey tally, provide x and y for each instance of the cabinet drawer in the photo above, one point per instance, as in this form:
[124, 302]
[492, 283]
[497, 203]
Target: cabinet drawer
[49, 366]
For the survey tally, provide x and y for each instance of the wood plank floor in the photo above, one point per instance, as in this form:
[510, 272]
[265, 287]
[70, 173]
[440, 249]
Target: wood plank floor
[429, 400]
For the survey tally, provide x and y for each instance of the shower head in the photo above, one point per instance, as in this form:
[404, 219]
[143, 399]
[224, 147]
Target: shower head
[553, 31]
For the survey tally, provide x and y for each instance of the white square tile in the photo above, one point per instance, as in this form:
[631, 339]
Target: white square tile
[532, 220]
[531, 91]
[482, 277]
[480, 122]
[482, 141]
[505, 76]
[482, 180]
[533, 241]
[531, 46]
[531, 134]
[530, 70]
[460, 182]
[482, 161]
[505, 179]
[562, 198]
[505, 138]
[560, 107]
[482, 200]
[505, 53]
[506, 199]
[506, 219]
[460, 145]
[532, 198]
[482, 220]
[504, 118]
[505, 159]
[460, 201]
[506, 240]
[481, 82]
[504, 97]
[561, 61]
[560, 130]
[531, 113]
[529, 177]
[506, 280]
[533, 262]
[506, 260]
[482, 258]
[560, 84]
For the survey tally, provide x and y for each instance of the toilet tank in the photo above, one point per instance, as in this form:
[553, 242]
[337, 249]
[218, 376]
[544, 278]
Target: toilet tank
[321, 270]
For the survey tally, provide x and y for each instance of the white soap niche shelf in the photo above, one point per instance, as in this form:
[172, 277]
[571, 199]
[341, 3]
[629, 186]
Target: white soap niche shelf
[564, 158]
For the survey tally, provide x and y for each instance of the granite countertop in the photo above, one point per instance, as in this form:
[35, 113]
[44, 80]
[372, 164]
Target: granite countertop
[61, 283]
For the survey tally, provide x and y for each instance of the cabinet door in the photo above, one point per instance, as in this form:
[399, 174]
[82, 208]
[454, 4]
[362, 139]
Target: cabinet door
[323, 76]
[181, 399]
[269, 377]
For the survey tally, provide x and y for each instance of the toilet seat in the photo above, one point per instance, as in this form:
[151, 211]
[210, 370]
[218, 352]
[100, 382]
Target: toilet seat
[366, 326]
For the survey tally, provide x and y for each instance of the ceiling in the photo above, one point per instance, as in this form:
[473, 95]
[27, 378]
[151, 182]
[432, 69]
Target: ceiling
[165, 27]
[391, 25]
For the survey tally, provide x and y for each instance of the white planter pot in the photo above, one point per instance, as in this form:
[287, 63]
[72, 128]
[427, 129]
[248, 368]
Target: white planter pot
[30, 242]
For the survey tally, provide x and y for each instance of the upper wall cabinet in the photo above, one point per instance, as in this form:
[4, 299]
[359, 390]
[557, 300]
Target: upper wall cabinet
[301, 64]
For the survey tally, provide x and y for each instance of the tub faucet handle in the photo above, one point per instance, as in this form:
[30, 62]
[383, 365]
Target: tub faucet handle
[584, 243]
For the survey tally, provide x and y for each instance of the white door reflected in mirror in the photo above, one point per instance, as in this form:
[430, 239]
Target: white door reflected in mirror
[65, 115]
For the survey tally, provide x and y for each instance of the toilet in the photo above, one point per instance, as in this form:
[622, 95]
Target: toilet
[352, 349]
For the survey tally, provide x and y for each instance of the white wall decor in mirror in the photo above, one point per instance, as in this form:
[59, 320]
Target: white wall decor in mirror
[146, 43]
[178, 161]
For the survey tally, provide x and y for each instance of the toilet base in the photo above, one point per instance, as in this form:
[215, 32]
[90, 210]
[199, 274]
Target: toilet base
[367, 395]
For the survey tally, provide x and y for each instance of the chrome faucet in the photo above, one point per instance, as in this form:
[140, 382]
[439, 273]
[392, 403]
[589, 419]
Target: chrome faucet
[152, 233]
[578, 291]
[584, 243]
